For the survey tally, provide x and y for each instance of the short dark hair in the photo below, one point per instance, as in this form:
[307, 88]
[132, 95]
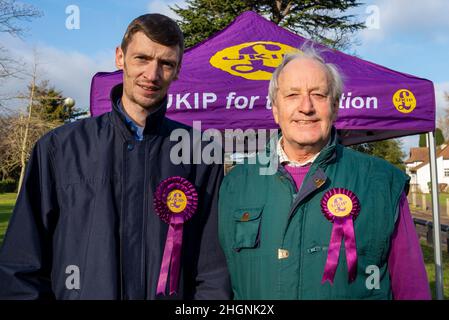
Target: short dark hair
[158, 28]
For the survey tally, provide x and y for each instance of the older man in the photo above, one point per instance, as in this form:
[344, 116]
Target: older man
[331, 223]
[103, 212]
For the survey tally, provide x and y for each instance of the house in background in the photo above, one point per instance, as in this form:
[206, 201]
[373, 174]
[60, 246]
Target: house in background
[418, 168]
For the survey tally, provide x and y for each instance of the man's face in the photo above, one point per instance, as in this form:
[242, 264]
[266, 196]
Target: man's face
[303, 107]
[148, 70]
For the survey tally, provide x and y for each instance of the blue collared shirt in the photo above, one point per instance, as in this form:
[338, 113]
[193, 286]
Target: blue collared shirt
[134, 127]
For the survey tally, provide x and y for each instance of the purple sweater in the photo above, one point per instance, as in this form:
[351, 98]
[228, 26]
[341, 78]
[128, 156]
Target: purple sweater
[405, 262]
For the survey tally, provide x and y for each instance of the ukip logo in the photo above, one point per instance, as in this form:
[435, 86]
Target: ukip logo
[404, 101]
[251, 60]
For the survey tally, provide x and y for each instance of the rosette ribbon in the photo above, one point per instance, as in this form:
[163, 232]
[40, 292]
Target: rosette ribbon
[341, 207]
[175, 201]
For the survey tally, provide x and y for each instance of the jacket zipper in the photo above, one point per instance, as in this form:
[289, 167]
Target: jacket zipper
[122, 220]
[294, 206]
[145, 218]
[293, 192]
[301, 246]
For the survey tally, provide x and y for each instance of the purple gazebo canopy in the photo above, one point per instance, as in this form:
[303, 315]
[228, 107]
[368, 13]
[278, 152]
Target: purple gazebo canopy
[224, 84]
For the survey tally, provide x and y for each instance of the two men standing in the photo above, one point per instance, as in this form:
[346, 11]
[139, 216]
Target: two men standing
[105, 214]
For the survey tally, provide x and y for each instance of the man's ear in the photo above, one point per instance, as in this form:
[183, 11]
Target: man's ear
[119, 58]
[275, 111]
[335, 108]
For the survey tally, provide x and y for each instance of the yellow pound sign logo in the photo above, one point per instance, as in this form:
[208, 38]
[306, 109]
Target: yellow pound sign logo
[340, 205]
[176, 201]
[251, 60]
[404, 101]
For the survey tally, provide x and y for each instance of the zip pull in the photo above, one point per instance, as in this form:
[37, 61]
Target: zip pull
[316, 249]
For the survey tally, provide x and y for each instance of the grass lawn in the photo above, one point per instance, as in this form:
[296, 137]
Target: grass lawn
[430, 268]
[441, 199]
[7, 201]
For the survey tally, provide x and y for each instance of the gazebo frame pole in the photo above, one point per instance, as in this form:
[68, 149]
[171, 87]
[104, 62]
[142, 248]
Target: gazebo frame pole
[435, 217]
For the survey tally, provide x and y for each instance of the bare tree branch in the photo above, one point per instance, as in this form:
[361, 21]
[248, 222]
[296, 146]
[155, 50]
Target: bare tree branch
[443, 120]
[12, 11]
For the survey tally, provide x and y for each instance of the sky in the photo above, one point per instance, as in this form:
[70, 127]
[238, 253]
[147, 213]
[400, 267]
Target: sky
[410, 36]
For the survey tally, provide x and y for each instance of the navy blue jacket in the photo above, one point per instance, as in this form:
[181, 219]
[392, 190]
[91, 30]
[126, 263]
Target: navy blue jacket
[87, 201]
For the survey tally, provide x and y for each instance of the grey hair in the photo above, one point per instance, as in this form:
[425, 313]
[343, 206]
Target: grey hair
[308, 52]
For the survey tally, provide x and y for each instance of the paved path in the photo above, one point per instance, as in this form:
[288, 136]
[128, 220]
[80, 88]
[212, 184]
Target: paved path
[428, 216]
[422, 230]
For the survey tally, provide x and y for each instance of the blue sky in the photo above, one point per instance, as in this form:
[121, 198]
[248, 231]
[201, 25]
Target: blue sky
[411, 36]
[102, 23]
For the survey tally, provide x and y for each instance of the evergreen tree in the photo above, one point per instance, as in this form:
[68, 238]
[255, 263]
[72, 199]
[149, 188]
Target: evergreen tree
[49, 105]
[443, 121]
[390, 150]
[321, 20]
[422, 140]
[439, 138]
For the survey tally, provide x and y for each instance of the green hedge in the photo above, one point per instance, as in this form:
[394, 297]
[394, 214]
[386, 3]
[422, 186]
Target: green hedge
[8, 185]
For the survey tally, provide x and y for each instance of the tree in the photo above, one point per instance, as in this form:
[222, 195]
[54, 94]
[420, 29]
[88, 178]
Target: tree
[439, 138]
[24, 141]
[49, 104]
[11, 12]
[443, 121]
[46, 109]
[390, 150]
[23, 129]
[320, 20]
[9, 67]
[15, 148]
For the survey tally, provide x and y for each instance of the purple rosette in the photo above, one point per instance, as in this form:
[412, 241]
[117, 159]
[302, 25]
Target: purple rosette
[175, 202]
[341, 207]
[163, 191]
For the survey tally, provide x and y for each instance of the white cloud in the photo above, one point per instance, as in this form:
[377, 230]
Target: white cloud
[162, 7]
[68, 71]
[425, 19]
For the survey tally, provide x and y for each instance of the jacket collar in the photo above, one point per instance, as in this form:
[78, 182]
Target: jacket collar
[154, 120]
[327, 154]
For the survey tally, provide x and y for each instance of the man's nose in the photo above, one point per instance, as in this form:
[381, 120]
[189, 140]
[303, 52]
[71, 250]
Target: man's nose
[152, 71]
[306, 105]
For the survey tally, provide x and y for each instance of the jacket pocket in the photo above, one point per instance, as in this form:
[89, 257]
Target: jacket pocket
[247, 228]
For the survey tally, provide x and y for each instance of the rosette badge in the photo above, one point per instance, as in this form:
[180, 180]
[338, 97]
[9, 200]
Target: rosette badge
[341, 207]
[175, 201]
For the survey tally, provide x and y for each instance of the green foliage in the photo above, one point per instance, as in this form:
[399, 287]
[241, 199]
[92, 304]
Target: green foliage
[390, 150]
[320, 20]
[7, 201]
[201, 18]
[8, 185]
[422, 140]
[439, 138]
[49, 105]
[429, 261]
